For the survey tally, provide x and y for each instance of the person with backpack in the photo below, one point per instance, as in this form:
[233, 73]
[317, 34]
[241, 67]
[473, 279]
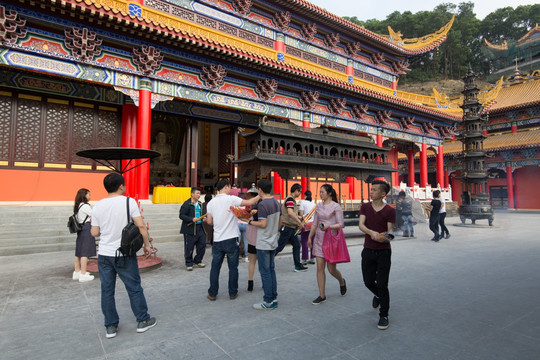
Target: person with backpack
[85, 245]
[108, 220]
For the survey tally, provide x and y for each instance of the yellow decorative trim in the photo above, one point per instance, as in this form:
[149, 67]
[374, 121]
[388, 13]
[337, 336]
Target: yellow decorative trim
[26, 164]
[4, 163]
[415, 44]
[99, 167]
[86, 105]
[58, 101]
[504, 45]
[29, 97]
[108, 108]
[486, 97]
[55, 166]
[84, 167]
[6, 93]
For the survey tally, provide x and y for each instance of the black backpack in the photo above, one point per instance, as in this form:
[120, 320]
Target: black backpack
[73, 223]
[132, 240]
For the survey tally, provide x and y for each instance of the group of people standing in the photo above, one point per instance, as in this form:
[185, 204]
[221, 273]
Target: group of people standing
[269, 230]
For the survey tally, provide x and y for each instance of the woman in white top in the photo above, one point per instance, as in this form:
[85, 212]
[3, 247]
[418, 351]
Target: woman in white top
[305, 208]
[86, 243]
[442, 216]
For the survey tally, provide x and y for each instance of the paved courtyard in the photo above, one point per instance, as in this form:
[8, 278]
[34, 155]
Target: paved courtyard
[473, 296]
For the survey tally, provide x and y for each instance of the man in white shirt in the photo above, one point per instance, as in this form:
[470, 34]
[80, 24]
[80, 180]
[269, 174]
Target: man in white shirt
[109, 217]
[226, 235]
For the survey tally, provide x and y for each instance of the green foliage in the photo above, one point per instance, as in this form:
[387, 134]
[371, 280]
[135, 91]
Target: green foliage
[465, 40]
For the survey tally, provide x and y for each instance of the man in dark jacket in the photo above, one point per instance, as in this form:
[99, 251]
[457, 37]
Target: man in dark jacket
[193, 230]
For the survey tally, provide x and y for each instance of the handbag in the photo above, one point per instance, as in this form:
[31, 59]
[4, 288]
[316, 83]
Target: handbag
[132, 240]
[335, 247]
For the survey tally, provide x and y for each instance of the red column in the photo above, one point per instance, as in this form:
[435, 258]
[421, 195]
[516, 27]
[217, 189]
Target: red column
[510, 187]
[279, 46]
[349, 70]
[277, 184]
[305, 185]
[129, 140]
[423, 165]
[446, 180]
[514, 128]
[305, 125]
[350, 181]
[143, 136]
[440, 166]
[410, 161]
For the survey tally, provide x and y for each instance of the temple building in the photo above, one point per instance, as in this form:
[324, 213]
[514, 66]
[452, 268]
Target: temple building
[196, 80]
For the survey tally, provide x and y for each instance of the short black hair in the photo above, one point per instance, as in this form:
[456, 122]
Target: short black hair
[386, 186]
[195, 188]
[402, 193]
[265, 185]
[296, 187]
[436, 193]
[113, 181]
[222, 183]
[307, 195]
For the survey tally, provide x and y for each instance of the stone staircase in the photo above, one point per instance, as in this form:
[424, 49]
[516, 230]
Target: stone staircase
[42, 229]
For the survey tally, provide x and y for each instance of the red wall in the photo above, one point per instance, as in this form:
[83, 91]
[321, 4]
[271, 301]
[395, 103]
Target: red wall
[33, 185]
[527, 191]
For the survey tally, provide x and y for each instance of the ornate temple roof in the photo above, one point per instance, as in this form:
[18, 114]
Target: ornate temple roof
[520, 93]
[506, 141]
[392, 42]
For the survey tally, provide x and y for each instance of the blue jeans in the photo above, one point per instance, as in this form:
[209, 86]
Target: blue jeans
[407, 224]
[128, 271]
[242, 227]
[219, 249]
[265, 259]
[287, 235]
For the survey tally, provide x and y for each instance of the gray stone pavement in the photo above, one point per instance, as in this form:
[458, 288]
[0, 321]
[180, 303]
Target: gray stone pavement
[473, 296]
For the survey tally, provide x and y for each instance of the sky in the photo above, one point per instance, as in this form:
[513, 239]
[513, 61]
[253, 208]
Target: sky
[368, 9]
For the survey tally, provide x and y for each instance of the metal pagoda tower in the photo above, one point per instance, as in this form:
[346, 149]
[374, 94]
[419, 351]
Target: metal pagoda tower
[475, 200]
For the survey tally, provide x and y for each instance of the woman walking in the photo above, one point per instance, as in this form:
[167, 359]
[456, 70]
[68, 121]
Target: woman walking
[85, 246]
[304, 210]
[328, 215]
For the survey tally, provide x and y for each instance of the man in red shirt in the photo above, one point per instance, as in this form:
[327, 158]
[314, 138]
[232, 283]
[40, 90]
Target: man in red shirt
[377, 221]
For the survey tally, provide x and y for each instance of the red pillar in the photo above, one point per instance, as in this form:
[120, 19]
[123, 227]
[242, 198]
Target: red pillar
[410, 161]
[350, 181]
[277, 184]
[446, 180]
[423, 165]
[305, 125]
[440, 166]
[510, 187]
[143, 136]
[279, 46]
[305, 185]
[349, 70]
[129, 140]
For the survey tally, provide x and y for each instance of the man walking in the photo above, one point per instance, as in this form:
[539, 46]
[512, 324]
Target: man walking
[377, 219]
[225, 237]
[109, 217]
[267, 226]
[193, 230]
[291, 222]
[406, 214]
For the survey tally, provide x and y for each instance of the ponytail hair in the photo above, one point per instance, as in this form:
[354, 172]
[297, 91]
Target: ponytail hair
[80, 198]
[330, 190]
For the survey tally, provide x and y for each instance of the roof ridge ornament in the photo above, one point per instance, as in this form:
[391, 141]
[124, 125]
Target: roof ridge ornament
[282, 20]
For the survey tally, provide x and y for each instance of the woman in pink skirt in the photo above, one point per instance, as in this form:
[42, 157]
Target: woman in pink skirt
[328, 215]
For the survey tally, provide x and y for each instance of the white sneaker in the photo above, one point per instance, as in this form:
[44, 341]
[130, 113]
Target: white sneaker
[76, 275]
[86, 277]
[246, 259]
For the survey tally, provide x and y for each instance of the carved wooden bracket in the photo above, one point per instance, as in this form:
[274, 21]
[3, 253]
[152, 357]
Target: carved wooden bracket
[336, 106]
[377, 58]
[360, 110]
[11, 26]
[243, 6]
[309, 99]
[400, 67]
[383, 116]
[353, 48]
[83, 43]
[147, 58]
[266, 88]
[308, 31]
[447, 132]
[213, 76]
[332, 40]
[282, 20]
[427, 127]
[407, 122]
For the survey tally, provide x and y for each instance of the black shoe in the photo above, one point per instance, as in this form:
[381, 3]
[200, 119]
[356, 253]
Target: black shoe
[436, 239]
[142, 326]
[447, 236]
[376, 302]
[343, 289]
[300, 268]
[318, 301]
[411, 235]
[441, 236]
[250, 285]
[111, 331]
[383, 323]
